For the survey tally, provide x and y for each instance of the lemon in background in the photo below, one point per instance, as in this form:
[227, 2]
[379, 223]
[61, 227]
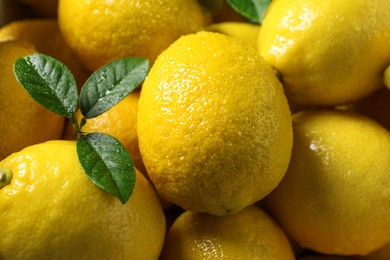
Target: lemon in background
[248, 234]
[334, 196]
[23, 121]
[101, 31]
[328, 52]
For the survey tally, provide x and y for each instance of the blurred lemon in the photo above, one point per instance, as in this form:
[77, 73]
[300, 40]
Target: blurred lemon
[23, 121]
[333, 198]
[328, 52]
[101, 31]
[46, 37]
[248, 234]
[51, 210]
[214, 126]
[245, 31]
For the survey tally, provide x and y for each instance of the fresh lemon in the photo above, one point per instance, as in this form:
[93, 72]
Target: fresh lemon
[328, 52]
[101, 31]
[51, 210]
[334, 196]
[248, 234]
[214, 125]
[45, 36]
[23, 121]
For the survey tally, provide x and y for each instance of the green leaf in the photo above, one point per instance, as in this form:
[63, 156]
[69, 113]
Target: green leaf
[107, 164]
[212, 5]
[110, 84]
[254, 10]
[49, 82]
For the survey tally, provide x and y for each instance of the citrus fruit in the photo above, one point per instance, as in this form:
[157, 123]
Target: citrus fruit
[51, 210]
[245, 31]
[23, 121]
[120, 122]
[101, 31]
[46, 37]
[248, 234]
[333, 198]
[328, 52]
[214, 126]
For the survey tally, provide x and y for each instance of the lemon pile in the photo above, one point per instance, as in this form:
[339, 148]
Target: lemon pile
[251, 140]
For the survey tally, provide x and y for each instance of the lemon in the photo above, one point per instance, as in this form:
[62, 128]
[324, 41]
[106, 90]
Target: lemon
[214, 126]
[45, 36]
[51, 210]
[328, 52]
[248, 234]
[245, 31]
[23, 121]
[334, 196]
[101, 31]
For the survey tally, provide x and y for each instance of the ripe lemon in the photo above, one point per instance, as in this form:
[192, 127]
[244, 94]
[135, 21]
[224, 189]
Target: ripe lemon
[248, 234]
[214, 126]
[121, 122]
[328, 52]
[51, 210]
[101, 31]
[334, 196]
[46, 37]
[23, 121]
[245, 31]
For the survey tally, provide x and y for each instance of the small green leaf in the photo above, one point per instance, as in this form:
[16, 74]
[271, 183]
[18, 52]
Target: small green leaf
[107, 164]
[254, 10]
[110, 84]
[49, 82]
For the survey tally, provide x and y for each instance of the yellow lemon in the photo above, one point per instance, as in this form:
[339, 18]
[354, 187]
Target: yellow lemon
[46, 37]
[214, 126]
[101, 31]
[328, 52]
[51, 210]
[245, 31]
[248, 234]
[23, 121]
[334, 198]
